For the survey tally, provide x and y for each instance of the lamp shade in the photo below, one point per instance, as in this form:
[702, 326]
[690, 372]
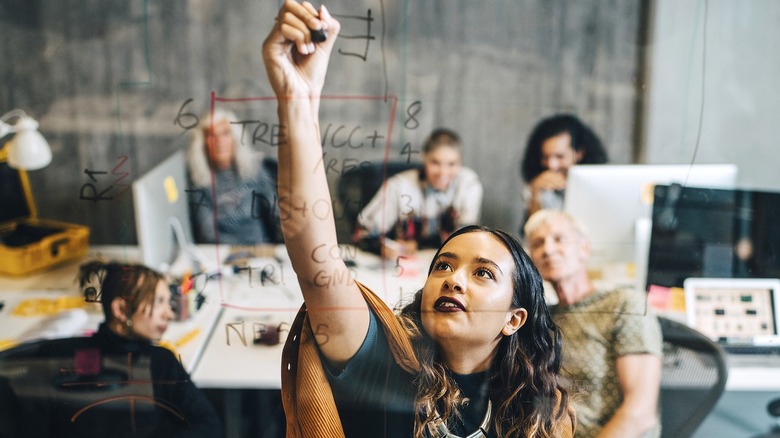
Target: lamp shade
[28, 149]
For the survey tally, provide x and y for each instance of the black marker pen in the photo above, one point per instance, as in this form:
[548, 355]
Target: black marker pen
[319, 36]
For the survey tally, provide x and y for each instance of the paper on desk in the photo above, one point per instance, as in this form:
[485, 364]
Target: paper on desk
[65, 324]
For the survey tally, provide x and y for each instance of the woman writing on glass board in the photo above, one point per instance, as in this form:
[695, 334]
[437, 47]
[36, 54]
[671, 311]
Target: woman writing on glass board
[476, 352]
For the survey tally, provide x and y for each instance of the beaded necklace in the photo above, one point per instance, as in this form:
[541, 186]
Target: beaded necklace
[437, 428]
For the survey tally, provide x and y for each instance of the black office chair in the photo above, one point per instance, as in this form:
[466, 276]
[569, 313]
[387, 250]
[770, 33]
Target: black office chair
[358, 185]
[692, 379]
[271, 165]
[66, 387]
[273, 228]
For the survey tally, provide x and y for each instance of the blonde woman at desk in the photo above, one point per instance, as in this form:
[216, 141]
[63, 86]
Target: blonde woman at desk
[116, 382]
[475, 354]
[237, 191]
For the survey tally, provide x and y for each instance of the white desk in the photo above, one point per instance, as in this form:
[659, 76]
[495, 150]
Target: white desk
[213, 363]
[230, 362]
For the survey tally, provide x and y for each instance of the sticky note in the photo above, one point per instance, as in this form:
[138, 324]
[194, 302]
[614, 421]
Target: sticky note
[171, 191]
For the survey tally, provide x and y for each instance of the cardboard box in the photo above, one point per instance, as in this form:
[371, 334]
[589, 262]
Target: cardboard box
[29, 244]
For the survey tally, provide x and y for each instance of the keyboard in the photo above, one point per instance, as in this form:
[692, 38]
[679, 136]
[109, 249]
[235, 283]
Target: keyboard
[752, 349]
[753, 355]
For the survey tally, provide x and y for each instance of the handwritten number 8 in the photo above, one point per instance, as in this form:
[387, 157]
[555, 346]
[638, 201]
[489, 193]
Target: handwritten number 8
[413, 109]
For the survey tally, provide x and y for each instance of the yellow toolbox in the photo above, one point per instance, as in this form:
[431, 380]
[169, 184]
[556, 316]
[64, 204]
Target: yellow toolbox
[29, 244]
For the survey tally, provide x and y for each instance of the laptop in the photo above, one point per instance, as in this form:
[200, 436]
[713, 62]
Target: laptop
[741, 314]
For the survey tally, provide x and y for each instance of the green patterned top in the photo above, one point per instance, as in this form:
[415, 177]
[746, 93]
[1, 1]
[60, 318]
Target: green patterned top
[596, 331]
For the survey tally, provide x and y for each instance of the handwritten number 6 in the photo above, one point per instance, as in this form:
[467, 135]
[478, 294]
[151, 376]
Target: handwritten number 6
[181, 114]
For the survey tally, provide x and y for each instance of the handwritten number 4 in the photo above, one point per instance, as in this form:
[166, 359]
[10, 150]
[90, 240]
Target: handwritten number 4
[408, 151]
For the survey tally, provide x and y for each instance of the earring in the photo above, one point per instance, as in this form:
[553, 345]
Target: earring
[129, 323]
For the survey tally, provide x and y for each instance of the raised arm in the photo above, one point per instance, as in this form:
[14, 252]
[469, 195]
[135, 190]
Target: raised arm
[296, 68]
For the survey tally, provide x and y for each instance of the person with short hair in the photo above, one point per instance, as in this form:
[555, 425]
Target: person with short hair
[421, 207]
[612, 339]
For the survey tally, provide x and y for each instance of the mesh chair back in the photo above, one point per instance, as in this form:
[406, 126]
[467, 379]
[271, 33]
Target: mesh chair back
[692, 379]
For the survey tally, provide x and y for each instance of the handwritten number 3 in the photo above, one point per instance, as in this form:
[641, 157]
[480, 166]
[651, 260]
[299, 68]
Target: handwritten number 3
[406, 208]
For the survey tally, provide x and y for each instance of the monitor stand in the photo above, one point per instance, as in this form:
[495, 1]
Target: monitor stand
[187, 252]
[642, 231]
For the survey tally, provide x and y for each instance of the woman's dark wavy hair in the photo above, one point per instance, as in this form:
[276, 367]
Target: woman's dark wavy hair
[582, 139]
[524, 385]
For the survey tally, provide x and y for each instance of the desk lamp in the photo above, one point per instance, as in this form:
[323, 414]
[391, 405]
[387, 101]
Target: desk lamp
[28, 149]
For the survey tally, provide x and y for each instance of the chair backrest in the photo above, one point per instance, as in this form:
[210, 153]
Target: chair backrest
[692, 379]
[358, 185]
[271, 165]
[273, 228]
[68, 387]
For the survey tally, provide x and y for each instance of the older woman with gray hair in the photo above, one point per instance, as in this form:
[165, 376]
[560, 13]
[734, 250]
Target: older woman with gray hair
[234, 194]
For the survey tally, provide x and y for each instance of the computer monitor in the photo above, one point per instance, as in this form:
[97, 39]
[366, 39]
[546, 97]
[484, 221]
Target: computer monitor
[718, 233]
[614, 204]
[162, 213]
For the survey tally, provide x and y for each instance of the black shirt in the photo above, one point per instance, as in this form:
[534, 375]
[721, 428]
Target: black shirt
[99, 386]
[375, 396]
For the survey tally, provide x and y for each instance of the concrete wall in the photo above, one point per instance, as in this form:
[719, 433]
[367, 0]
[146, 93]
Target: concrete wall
[107, 78]
[712, 92]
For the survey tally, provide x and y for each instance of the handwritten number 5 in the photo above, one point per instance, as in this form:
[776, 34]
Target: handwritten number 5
[319, 332]
[399, 270]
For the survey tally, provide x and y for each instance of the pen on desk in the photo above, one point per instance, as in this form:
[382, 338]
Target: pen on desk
[182, 341]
